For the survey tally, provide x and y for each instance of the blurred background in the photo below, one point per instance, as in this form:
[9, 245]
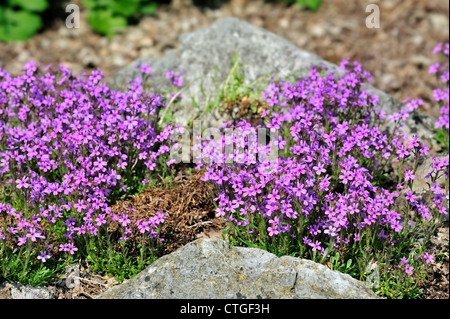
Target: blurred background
[112, 33]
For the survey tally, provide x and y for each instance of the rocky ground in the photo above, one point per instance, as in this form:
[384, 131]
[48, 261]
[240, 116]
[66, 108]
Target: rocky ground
[397, 54]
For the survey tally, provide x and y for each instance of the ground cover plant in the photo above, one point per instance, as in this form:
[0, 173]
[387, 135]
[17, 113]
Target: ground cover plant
[341, 192]
[70, 148]
[441, 94]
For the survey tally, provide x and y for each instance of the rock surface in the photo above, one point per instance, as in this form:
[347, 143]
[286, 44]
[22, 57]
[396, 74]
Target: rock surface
[20, 291]
[211, 269]
[205, 57]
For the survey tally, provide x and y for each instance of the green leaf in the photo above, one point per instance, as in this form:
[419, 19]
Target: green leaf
[103, 21]
[98, 4]
[349, 263]
[89, 3]
[125, 7]
[194, 103]
[312, 5]
[30, 5]
[149, 8]
[202, 90]
[18, 25]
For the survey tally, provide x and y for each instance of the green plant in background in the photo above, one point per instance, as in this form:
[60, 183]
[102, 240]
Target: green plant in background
[109, 16]
[20, 19]
[312, 5]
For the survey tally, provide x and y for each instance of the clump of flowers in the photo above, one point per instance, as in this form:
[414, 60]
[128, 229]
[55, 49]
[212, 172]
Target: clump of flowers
[327, 190]
[441, 95]
[69, 147]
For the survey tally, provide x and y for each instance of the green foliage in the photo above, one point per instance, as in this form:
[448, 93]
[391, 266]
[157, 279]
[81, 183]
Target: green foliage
[108, 255]
[20, 19]
[312, 5]
[110, 16]
[441, 136]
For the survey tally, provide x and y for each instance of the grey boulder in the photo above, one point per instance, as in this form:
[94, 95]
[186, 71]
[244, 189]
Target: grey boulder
[205, 57]
[211, 269]
[21, 291]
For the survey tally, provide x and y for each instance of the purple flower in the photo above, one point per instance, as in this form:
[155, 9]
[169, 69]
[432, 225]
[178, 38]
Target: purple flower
[402, 152]
[433, 68]
[33, 234]
[44, 256]
[409, 175]
[145, 68]
[22, 183]
[124, 219]
[428, 258]
[315, 246]
[70, 248]
[346, 176]
[319, 168]
[409, 269]
[169, 75]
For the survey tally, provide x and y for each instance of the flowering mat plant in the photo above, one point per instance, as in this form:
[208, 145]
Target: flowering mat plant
[340, 191]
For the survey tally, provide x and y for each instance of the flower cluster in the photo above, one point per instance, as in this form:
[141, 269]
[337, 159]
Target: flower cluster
[442, 95]
[69, 145]
[325, 190]
[175, 78]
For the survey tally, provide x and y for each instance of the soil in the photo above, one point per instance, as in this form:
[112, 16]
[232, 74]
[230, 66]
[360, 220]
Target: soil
[397, 54]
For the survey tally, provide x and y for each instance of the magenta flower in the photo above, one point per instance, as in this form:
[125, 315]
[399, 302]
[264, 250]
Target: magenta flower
[22, 183]
[438, 48]
[124, 219]
[44, 256]
[315, 246]
[404, 261]
[402, 152]
[428, 258]
[346, 176]
[433, 68]
[409, 175]
[409, 269]
[33, 234]
[145, 68]
[319, 168]
[70, 248]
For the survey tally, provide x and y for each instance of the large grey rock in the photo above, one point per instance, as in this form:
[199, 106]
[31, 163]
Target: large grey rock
[211, 269]
[20, 291]
[205, 57]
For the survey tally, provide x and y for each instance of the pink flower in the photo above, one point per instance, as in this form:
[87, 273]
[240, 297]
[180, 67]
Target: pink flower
[315, 246]
[428, 258]
[411, 197]
[145, 68]
[44, 256]
[409, 269]
[409, 175]
[433, 68]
